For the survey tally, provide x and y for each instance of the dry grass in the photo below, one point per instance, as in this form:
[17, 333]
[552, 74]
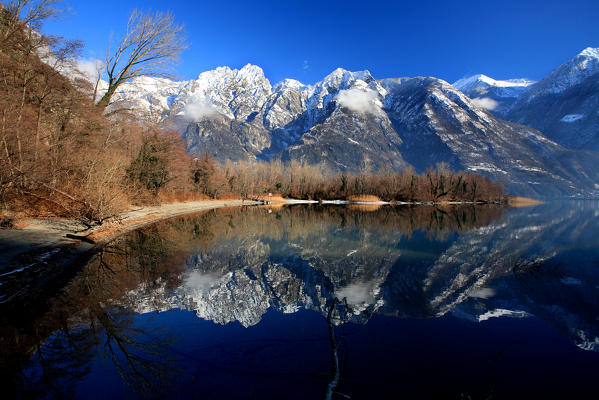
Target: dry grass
[365, 207]
[113, 229]
[516, 201]
[365, 197]
[179, 196]
[275, 198]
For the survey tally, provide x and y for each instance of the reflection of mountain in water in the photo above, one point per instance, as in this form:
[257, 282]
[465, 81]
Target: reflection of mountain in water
[234, 265]
[531, 261]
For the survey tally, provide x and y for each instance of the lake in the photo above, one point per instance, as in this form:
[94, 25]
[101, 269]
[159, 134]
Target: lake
[332, 302]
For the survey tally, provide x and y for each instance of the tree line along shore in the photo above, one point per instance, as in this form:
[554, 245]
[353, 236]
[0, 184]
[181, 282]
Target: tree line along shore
[66, 151]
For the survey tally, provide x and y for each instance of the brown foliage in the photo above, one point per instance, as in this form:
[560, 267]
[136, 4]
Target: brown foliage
[60, 154]
[303, 181]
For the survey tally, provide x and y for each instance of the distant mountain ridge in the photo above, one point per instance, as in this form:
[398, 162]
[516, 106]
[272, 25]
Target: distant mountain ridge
[352, 121]
[493, 95]
[564, 105]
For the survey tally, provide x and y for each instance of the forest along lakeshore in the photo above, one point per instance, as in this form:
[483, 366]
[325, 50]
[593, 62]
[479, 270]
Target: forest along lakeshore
[131, 266]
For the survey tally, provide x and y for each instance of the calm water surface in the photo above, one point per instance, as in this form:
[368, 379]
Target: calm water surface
[334, 302]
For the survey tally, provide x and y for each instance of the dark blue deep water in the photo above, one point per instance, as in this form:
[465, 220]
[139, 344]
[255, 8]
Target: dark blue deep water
[310, 302]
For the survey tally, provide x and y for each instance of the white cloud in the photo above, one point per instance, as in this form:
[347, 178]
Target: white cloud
[359, 100]
[485, 102]
[89, 68]
[358, 293]
[200, 282]
[306, 65]
[199, 110]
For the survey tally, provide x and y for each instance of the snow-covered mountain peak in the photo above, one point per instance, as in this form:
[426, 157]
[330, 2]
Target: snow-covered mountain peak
[586, 63]
[493, 94]
[472, 80]
[289, 84]
[590, 52]
[251, 73]
[569, 74]
[342, 78]
[483, 81]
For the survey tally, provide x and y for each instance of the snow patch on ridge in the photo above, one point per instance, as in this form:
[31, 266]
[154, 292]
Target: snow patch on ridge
[571, 117]
[590, 52]
[500, 312]
[477, 80]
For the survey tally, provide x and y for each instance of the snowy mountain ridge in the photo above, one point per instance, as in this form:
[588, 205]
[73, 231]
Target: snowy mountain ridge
[482, 81]
[352, 121]
[565, 104]
[569, 74]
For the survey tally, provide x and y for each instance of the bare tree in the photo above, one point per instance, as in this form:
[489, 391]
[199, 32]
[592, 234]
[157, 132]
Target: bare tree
[151, 45]
[31, 13]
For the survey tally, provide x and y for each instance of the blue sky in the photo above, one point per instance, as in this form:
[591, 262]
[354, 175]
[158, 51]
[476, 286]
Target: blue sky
[307, 39]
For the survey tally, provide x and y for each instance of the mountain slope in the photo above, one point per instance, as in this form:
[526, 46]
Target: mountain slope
[565, 104]
[439, 123]
[494, 95]
[351, 121]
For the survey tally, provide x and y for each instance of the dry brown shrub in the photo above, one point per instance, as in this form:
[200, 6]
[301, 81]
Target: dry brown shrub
[180, 196]
[516, 201]
[227, 196]
[365, 207]
[275, 198]
[365, 198]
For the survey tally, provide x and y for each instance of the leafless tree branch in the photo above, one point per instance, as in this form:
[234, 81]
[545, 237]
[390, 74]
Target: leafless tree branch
[151, 45]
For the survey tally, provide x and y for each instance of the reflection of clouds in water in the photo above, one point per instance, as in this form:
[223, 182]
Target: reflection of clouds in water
[483, 293]
[200, 281]
[571, 281]
[358, 293]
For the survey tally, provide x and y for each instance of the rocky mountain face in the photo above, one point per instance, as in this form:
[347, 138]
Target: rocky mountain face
[352, 121]
[565, 104]
[439, 123]
[493, 95]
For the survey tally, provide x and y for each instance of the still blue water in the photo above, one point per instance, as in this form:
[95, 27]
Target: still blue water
[330, 302]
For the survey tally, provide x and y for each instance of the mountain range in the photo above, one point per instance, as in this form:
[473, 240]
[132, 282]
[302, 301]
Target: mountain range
[540, 138]
[564, 105]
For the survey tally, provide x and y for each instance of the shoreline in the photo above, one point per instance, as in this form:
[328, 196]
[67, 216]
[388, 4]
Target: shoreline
[44, 254]
[38, 238]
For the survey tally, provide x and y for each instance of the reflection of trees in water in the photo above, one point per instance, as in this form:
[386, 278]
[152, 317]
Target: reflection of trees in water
[342, 312]
[88, 316]
[58, 363]
[93, 313]
[137, 354]
[293, 222]
[140, 356]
